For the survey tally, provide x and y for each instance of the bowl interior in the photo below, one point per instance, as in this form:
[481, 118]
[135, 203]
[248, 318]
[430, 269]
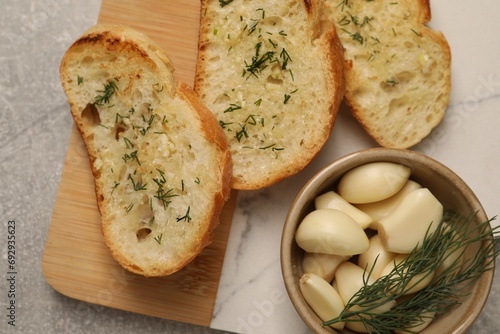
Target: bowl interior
[448, 188]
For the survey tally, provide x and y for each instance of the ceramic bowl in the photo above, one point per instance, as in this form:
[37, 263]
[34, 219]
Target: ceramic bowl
[448, 188]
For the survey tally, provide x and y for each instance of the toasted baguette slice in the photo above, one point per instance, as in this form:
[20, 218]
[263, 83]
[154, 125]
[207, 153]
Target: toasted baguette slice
[398, 70]
[161, 163]
[272, 73]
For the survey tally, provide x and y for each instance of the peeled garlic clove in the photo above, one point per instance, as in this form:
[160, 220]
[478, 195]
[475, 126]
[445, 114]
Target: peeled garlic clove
[405, 228]
[349, 279]
[334, 284]
[376, 258]
[322, 298]
[373, 182]
[425, 320]
[332, 200]
[323, 265]
[331, 231]
[380, 209]
[417, 282]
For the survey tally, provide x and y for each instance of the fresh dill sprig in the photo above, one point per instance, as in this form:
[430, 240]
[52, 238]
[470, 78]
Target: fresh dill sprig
[224, 3]
[242, 133]
[253, 27]
[416, 33]
[162, 194]
[358, 37]
[286, 58]
[232, 107]
[343, 4]
[114, 187]
[132, 156]
[128, 208]
[119, 118]
[288, 96]
[137, 185]
[109, 89]
[259, 62]
[224, 124]
[392, 82]
[149, 122]
[344, 21]
[253, 120]
[455, 233]
[128, 143]
[158, 238]
[263, 12]
[186, 217]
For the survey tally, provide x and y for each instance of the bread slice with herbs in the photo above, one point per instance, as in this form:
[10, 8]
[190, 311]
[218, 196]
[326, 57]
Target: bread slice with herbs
[272, 73]
[398, 70]
[160, 160]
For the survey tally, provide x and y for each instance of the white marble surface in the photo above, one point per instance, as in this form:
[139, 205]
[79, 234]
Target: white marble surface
[34, 132]
[252, 297]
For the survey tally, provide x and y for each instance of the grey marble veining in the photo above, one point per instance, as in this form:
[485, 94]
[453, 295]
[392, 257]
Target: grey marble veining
[34, 131]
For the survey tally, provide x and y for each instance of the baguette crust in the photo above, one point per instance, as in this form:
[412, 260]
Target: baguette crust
[272, 73]
[161, 163]
[398, 70]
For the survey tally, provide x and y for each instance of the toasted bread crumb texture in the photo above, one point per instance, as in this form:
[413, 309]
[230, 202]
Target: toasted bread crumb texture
[398, 70]
[160, 179]
[272, 74]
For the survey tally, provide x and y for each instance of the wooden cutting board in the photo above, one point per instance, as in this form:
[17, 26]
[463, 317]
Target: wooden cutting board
[76, 262]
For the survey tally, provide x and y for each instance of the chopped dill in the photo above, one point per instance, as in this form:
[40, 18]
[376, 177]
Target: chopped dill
[109, 89]
[186, 217]
[159, 238]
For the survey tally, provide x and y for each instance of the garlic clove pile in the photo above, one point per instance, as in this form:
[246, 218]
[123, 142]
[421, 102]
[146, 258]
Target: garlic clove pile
[322, 298]
[418, 214]
[373, 182]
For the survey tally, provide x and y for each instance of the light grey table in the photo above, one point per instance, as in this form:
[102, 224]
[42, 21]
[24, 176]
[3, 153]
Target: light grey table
[35, 125]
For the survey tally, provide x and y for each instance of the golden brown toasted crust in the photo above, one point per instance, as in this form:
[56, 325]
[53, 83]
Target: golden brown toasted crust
[425, 11]
[160, 161]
